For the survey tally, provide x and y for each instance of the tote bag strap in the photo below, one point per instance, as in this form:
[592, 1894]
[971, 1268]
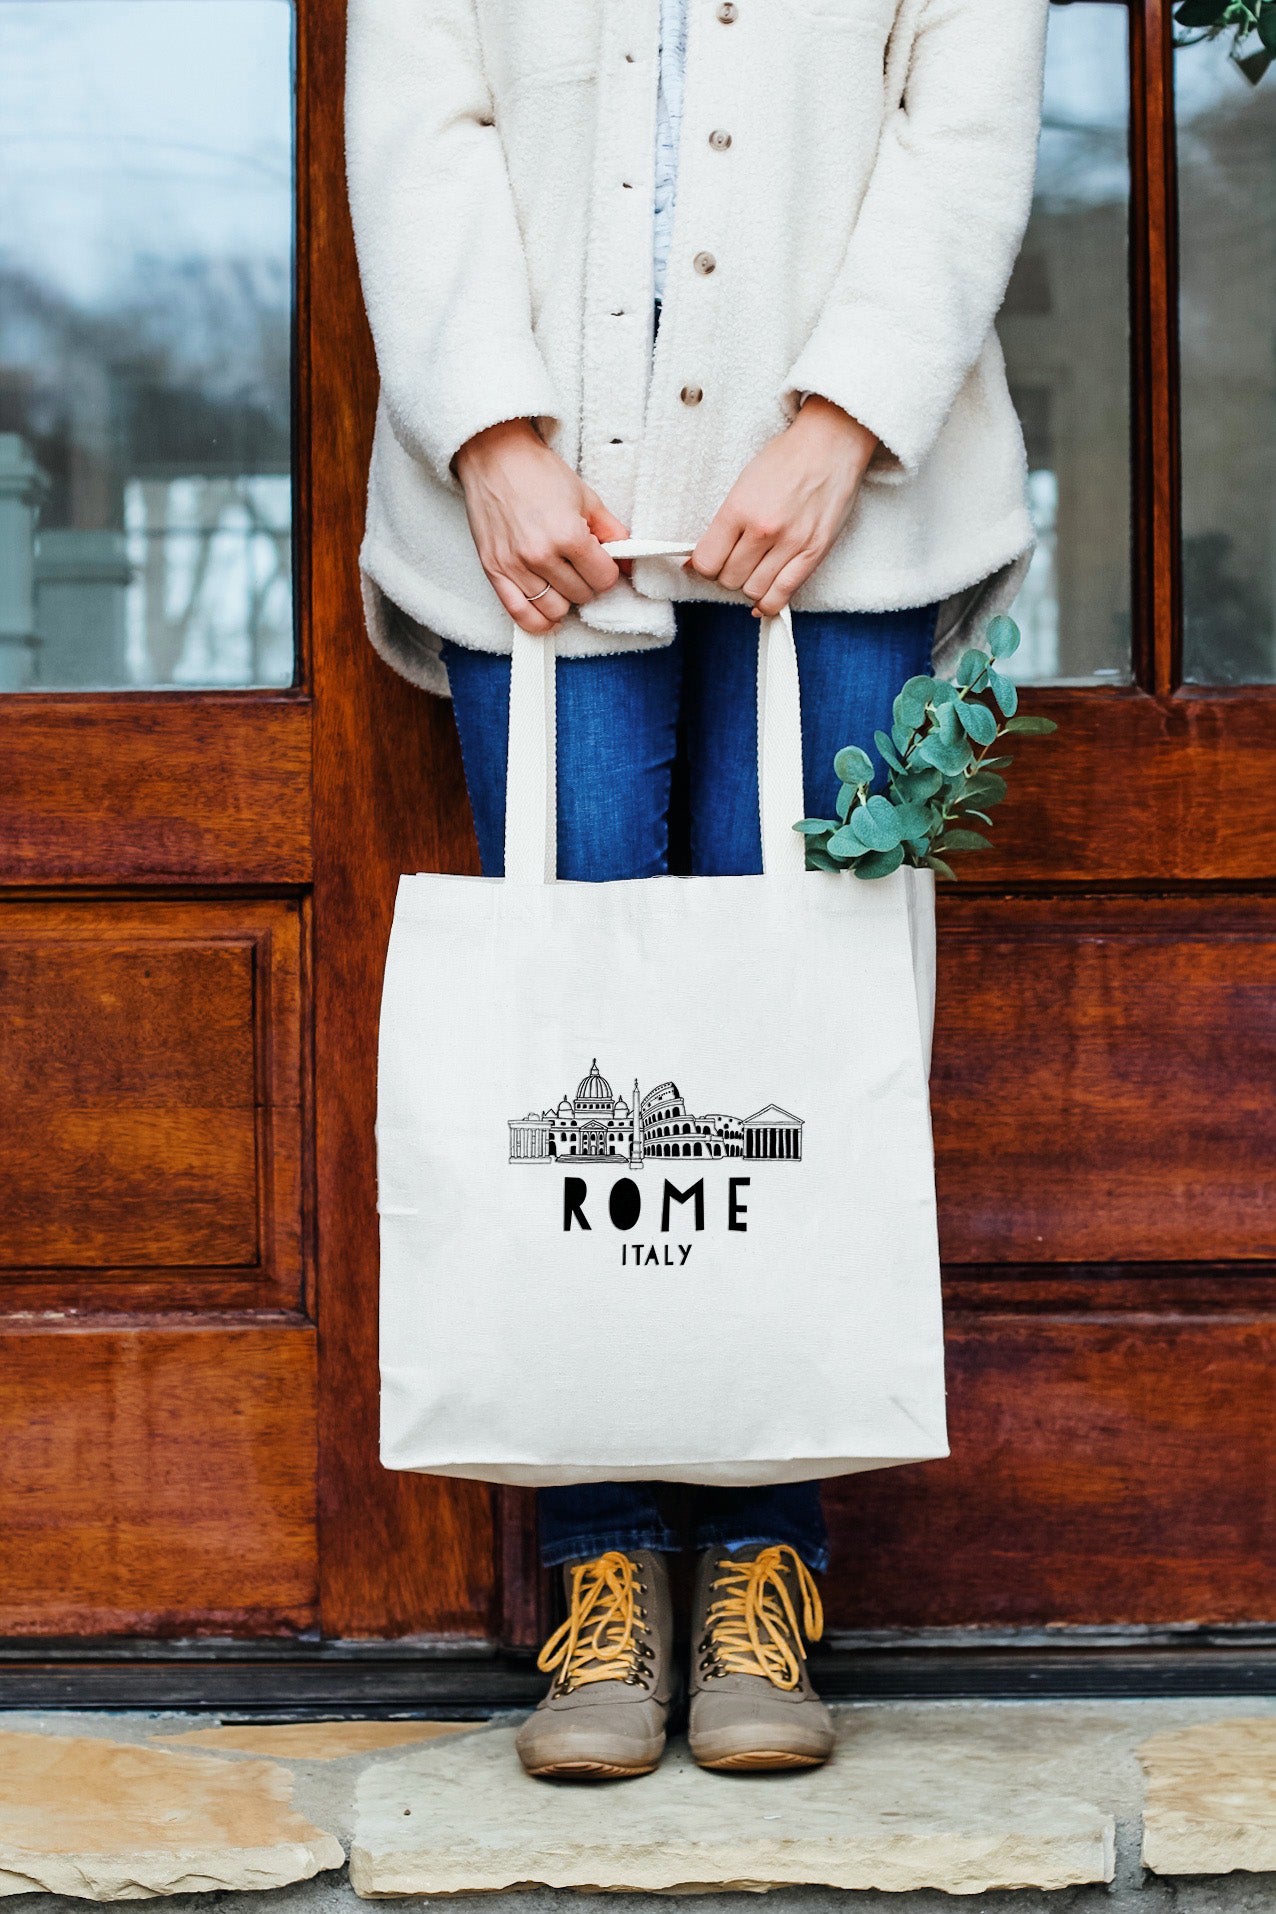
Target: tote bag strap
[531, 809]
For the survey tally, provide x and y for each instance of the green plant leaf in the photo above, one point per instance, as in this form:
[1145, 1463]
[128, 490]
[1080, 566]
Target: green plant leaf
[941, 692]
[969, 811]
[1029, 725]
[818, 860]
[1003, 690]
[880, 863]
[887, 750]
[815, 826]
[853, 766]
[977, 721]
[875, 825]
[995, 764]
[912, 820]
[1003, 636]
[912, 699]
[972, 667]
[1267, 28]
[846, 796]
[950, 758]
[986, 787]
[1200, 13]
[916, 786]
[938, 865]
[845, 843]
[962, 841]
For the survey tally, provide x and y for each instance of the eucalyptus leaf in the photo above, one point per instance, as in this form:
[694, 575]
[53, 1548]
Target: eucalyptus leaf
[846, 796]
[912, 700]
[1003, 690]
[880, 863]
[887, 751]
[948, 758]
[986, 787]
[941, 692]
[972, 667]
[1003, 636]
[977, 720]
[938, 865]
[912, 820]
[875, 825]
[845, 843]
[1029, 725]
[853, 766]
[815, 826]
[962, 841]
[818, 860]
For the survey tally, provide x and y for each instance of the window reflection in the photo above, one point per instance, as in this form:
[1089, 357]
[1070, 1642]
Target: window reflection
[1065, 330]
[1227, 328]
[145, 340]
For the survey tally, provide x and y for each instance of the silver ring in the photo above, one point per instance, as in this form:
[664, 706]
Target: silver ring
[537, 594]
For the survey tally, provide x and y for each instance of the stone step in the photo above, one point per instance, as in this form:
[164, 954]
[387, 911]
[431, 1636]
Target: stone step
[1079, 1805]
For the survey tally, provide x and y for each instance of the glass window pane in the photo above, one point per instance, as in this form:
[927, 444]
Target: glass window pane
[145, 343]
[1065, 330]
[1227, 328]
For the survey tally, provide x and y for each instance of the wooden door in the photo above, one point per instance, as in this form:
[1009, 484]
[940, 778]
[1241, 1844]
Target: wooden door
[197, 859]
[197, 885]
[1106, 1036]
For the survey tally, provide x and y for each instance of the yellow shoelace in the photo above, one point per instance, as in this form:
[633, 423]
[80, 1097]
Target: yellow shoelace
[752, 1628]
[601, 1639]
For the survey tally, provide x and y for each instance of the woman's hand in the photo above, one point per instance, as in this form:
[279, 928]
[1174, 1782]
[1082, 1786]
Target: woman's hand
[787, 507]
[535, 523]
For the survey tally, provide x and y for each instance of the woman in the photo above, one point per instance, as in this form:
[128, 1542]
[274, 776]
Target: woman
[810, 210]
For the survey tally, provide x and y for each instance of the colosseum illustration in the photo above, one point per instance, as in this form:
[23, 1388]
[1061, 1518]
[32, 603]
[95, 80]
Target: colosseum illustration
[596, 1125]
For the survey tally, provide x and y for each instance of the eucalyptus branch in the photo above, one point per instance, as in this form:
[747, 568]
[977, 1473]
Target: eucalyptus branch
[1251, 23]
[940, 771]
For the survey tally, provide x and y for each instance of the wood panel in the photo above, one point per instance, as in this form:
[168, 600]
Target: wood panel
[1102, 1080]
[1102, 1471]
[150, 1126]
[402, 1554]
[159, 787]
[1137, 790]
[157, 1480]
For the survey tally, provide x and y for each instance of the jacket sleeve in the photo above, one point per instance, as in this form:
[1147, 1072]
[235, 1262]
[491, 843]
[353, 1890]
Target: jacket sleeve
[440, 254]
[937, 233]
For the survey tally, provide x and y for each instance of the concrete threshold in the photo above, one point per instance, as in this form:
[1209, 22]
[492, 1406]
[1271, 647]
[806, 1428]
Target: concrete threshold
[998, 1805]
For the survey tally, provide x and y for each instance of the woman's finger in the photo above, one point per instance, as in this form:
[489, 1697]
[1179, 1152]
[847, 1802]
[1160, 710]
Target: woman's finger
[538, 618]
[745, 557]
[546, 565]
[785, 583]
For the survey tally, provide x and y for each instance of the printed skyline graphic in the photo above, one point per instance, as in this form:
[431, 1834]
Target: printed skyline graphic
[597, 1126]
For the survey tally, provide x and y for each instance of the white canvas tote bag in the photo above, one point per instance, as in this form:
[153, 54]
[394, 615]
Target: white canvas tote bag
[656, 1179]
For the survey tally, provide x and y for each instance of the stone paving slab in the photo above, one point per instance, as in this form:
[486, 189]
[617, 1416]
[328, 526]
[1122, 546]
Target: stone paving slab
[313, 1740]
[110, 1822]
[1210, 1805]
[913, 1798]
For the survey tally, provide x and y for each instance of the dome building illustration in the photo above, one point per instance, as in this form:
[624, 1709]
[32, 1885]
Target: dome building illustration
[596, 1126]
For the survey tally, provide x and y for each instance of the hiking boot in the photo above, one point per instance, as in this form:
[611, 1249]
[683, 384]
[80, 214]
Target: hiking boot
[612, 1662]
[752, 1703]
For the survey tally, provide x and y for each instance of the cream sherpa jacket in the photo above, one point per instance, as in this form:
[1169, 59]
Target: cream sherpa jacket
[852, 238]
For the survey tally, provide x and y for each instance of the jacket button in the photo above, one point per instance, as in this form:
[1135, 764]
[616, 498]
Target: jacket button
[691, 395]
[704, 262]
[727, 12]
[719, 141]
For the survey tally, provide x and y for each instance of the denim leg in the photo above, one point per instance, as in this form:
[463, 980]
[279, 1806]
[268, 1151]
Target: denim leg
[584, 1519]
[850, 666]
[778, 1512]
[617, 729]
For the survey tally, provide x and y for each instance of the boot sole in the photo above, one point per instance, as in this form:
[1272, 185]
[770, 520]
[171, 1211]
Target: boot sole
[590, 1770]
[760, 1761]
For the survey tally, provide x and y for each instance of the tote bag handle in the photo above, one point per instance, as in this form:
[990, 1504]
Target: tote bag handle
[531, 807]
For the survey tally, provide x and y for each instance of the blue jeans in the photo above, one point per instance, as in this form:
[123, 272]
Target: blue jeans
[622, 721]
